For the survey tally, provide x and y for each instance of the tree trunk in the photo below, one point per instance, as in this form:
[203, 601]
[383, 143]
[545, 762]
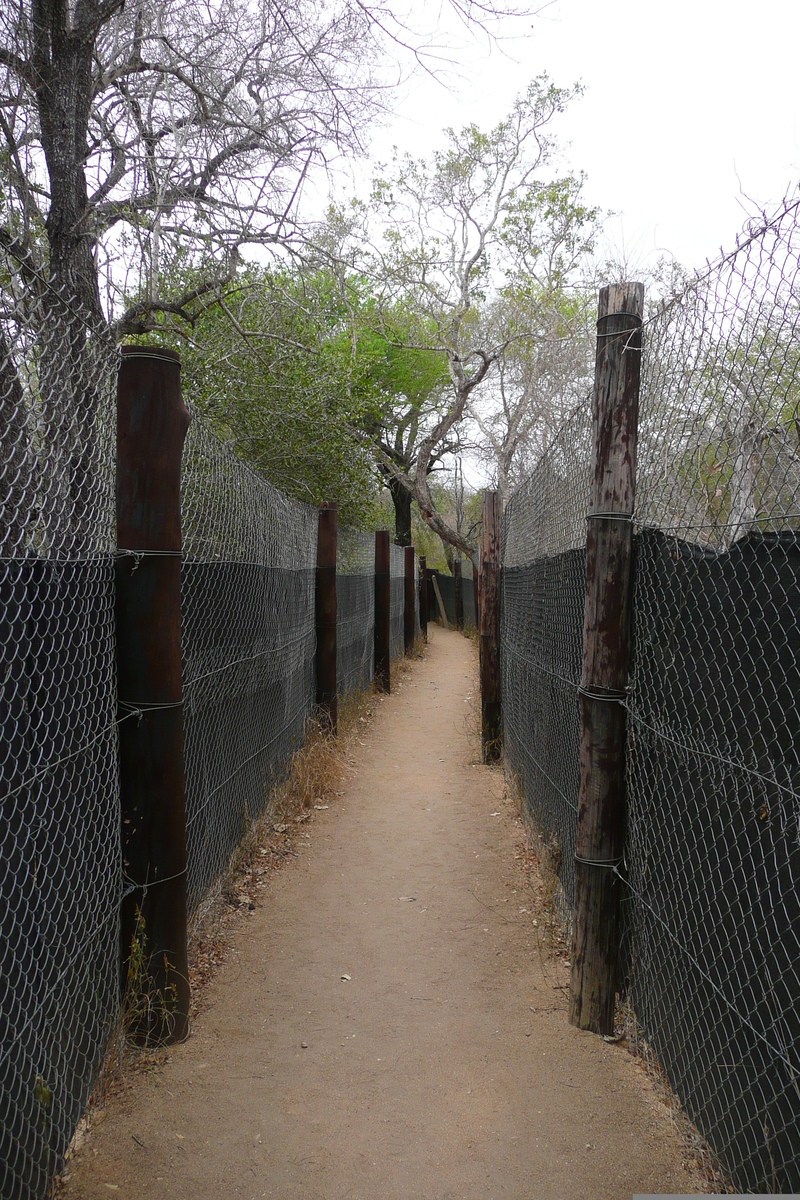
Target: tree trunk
[63, 62]
[72, 344]
[16, 451]
[401, 498]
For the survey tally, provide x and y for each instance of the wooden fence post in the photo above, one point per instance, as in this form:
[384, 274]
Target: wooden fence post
[325, 608]
[606, 652]
[423, 596]
[489, 628]
[409, 613]
[383, 611]
[151, 426]
[458, 589]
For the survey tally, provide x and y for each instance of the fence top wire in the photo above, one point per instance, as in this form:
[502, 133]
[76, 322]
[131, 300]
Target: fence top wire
[719, 413]
[719, 416]
[229, 513]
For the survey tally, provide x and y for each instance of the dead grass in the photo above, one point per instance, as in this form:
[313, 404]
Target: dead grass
[541, 858]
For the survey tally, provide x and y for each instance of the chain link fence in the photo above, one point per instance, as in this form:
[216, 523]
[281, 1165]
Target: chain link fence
[543, 584]
[397, 573]
[247, 643]
[710, 962]
[713, 857]
[248, 647]
[355, 609]
[60, 868]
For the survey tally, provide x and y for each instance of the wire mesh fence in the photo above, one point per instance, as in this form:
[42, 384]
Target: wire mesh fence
[713, 858]
[248, 645]
[397, 572]
[710, 963]
[60, 870]
[543, 581]
[248, 641]
[355, 612]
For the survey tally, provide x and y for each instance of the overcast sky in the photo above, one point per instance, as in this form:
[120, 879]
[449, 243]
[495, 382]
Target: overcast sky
[687, 106]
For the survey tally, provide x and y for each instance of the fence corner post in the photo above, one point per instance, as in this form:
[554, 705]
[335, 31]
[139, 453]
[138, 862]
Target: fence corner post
[489, 629]
[409, 622]
[606, 653]
[383, 611]
[423, 596]
[152, 422]
[458, 590]
[325, 615]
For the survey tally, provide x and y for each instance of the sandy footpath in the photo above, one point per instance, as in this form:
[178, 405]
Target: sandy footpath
[389, 1027]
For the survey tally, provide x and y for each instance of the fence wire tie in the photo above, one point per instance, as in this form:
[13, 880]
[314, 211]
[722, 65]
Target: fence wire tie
[609, 694]
[130, 885]
[618, 333]
[138, 555]
[611, 863]
[609, 516]
[139, 710]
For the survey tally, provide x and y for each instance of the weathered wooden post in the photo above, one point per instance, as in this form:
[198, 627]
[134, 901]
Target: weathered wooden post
[325, 607]
[489, 628]
[606, 652]
[458, 589]
[423, 596]
[151, 426]
[383, 611]
[409, 611]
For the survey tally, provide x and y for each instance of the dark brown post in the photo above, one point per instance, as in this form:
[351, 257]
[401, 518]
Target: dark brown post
[423, 596]
[458, 589]
[151, 426]
[383, 611]
[409, 613]
[325, 604]
[606, 649]
[489, 628]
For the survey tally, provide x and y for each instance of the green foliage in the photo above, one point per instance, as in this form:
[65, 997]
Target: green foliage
[269, 366]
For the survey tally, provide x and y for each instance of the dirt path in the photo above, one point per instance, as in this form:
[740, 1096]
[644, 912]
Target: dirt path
[388, 1029]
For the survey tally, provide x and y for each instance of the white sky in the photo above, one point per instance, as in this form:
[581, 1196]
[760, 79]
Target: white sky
[688, 105]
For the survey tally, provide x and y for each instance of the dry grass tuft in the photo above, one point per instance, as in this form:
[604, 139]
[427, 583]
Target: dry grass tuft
[542, 857]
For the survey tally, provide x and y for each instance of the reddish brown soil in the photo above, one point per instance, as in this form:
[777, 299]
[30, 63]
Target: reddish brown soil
[390, 1026]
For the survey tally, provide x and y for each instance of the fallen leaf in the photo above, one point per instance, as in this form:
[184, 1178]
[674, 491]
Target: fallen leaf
[346, 978]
